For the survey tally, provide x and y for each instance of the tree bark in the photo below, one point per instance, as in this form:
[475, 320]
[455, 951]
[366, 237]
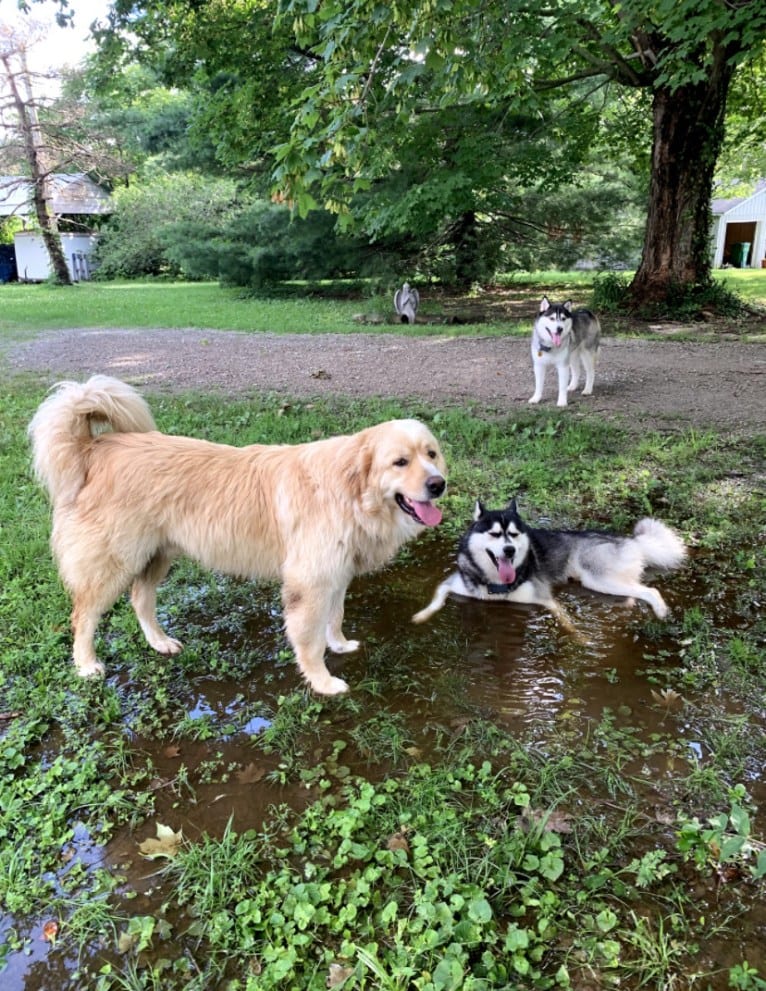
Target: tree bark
[30, 134]
[688, 130]
[468, 268]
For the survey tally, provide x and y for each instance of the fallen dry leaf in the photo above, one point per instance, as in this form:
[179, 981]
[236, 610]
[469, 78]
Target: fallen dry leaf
[250, 774]
[398, 842]
[50, 931]
[126, 942]
[554, 821]
[172, 750]
[668, 698]
[338, 974]
[167, 844]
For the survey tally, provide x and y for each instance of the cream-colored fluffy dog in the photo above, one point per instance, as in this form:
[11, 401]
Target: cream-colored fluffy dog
[127, 500]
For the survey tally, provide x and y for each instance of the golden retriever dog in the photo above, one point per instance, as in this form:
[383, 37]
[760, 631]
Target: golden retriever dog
[128, 499]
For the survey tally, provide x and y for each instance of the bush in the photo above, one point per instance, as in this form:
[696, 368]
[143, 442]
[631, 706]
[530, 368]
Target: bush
[137, 241]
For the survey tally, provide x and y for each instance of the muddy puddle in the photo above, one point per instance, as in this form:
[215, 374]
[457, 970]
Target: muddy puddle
[511, 664]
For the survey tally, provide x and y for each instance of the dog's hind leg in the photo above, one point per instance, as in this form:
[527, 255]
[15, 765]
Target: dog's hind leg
[574, 371]
[89, 603]
[628, 589]
[589, 363]
[336, 640]
[143, 597]
[307, 614]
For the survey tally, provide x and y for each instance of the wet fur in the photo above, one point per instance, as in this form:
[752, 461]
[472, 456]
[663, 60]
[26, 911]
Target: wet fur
[128, 501]
[541, 559]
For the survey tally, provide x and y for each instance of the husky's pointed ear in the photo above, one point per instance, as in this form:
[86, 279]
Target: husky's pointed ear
[478, 509]
[511, 507]
[544, 304]
[568, 304]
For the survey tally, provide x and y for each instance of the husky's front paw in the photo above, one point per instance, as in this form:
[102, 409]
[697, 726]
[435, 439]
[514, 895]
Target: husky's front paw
[534, 399]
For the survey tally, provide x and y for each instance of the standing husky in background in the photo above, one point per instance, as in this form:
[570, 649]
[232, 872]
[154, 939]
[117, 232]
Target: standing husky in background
[564, 338]
[501, 558]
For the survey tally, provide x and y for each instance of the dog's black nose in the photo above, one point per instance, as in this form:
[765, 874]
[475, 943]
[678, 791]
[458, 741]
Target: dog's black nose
[435, 485]
[509, 550]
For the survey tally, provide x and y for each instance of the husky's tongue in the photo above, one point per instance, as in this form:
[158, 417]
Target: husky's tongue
[556, 340]
[427, 513]
[506, 571]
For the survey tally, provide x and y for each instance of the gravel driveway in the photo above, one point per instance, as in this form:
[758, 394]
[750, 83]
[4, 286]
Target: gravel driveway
[658, 384]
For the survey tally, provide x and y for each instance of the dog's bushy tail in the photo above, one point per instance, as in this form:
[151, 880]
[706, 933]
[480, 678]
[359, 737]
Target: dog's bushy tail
[65, 422]
[660, 546]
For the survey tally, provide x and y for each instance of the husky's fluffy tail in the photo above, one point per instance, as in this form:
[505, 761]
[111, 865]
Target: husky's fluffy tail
[62, 428]
[660, 546]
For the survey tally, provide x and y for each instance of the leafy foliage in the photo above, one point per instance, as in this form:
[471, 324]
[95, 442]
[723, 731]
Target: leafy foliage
[137, 241]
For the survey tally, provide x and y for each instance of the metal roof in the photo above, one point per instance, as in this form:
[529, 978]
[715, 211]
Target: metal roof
[75, 193]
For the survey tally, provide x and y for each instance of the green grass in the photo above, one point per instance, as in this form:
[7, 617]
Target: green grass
[32, 308]
[405, 837]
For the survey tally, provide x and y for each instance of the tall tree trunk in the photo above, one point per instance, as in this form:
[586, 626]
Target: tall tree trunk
[687, 136]
[30, 132]
[465, 238]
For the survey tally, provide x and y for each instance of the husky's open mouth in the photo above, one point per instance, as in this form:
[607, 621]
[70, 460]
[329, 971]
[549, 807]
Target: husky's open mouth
[505, 570]
[424, 512]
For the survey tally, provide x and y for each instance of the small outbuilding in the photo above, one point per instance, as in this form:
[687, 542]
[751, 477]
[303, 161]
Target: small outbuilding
[68, 195]
[739, 230]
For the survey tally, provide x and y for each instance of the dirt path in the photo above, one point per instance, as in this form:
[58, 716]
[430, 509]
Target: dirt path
[657, 384]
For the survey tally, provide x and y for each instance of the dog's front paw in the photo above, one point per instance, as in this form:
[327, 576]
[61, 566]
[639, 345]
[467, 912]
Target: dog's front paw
[90, 668]
[166, 645]
[343, 646]
[329, 685]
[534, 399]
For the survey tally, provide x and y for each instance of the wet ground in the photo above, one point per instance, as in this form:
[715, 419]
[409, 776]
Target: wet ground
[509, 662]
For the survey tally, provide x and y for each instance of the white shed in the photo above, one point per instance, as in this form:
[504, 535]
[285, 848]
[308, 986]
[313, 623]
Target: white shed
[739, 230]
[68, 194]
[33, 263]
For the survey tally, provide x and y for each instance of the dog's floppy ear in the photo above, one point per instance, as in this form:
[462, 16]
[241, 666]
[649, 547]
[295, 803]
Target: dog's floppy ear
[544, 304]
[478, 509]
[355, 470]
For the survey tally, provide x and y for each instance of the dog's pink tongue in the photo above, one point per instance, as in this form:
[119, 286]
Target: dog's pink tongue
[557, 340]
[507, 572]
[428, 514]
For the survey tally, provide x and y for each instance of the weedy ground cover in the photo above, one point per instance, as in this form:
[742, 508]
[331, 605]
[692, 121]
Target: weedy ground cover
[405, 836]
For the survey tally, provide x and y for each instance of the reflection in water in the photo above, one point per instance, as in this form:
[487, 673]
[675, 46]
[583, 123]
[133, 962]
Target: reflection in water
[216, 705]
[511, 663]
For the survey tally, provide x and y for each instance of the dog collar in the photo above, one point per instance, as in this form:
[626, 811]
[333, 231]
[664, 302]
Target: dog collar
[544, 347]
[498, 588]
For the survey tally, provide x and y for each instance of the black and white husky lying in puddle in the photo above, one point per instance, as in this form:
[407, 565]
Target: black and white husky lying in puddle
[502, 559]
